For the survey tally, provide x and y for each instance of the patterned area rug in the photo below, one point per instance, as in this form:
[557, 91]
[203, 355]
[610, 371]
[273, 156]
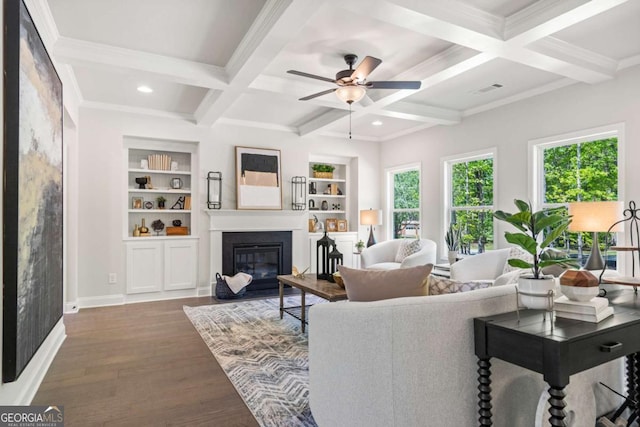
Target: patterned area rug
[265, 358]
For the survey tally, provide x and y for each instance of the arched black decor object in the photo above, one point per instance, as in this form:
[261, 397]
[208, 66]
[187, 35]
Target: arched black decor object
[323, 249]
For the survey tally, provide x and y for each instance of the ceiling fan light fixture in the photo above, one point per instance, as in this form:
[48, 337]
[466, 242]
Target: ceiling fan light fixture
[350, 94]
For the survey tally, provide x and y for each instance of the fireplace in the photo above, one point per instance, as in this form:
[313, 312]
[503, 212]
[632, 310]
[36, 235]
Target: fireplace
[262, 254]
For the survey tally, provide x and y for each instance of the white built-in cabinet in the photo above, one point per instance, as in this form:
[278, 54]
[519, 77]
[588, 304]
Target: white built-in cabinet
[156, 266]
[161, 262]
[345, 242]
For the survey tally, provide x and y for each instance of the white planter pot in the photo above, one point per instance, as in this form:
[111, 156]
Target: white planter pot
[537, 292]
[452, 255]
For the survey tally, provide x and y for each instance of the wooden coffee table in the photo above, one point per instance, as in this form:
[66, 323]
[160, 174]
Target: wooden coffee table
[318, 287]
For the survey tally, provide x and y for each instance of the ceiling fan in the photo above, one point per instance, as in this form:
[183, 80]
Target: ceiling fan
[352, 83]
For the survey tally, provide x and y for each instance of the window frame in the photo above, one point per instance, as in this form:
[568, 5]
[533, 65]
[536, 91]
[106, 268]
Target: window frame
[446, 166]
[389, 193]
[536, 167]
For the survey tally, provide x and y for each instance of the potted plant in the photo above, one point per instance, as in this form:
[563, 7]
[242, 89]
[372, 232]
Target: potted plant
[452, 238]
[360, 246]
[161, 200]
[531, 224]
[321, 170]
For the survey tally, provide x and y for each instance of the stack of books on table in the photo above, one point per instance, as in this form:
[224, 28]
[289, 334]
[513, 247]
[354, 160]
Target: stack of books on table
[588, 311]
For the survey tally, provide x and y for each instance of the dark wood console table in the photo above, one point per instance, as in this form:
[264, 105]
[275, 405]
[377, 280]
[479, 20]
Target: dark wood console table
[571, 346]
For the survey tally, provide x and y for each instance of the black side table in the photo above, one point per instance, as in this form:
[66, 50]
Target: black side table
[571, 346]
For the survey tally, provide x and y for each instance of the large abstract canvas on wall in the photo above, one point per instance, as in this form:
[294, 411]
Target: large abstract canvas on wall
[258, 177]
[32, 198]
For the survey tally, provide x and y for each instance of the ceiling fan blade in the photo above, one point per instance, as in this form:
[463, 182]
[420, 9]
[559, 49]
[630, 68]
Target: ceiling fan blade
[311, 76]
[367, 65]
[315, 95]
[394, 85]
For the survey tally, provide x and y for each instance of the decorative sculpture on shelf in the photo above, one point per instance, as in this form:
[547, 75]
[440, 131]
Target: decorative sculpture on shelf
[179, 204]
[157, 226]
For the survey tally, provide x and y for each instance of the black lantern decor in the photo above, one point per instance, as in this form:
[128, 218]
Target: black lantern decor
[298, 193]
[335, 258]
[324, 246]
[214, 190]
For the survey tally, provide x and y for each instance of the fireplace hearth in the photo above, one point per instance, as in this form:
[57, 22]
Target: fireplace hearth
[262, 254]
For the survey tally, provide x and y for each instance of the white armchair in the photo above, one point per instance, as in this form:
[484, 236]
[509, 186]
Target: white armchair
[485, 266]
[382, 256]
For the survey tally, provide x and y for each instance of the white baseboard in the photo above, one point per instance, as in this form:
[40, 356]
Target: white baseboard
[22, 391]
[204, 291]
[71, 307]
[160, 296]
[102, 301]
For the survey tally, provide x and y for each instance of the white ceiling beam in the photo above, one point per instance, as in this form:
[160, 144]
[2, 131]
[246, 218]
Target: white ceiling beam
[277, 23]
[421, 113]
[257, 125]
[553, 47]
[546, 17]
[322, 122]
[79, 52]
[138, 110]
[415, 16]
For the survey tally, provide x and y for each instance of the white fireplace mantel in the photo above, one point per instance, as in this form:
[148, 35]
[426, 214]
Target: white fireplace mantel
[227, 220]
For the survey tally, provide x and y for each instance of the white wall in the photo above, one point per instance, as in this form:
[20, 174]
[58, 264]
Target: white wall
[100, 192]
[510, 128]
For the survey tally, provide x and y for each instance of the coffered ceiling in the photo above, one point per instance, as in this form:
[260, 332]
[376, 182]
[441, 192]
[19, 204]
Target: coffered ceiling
[222, 61]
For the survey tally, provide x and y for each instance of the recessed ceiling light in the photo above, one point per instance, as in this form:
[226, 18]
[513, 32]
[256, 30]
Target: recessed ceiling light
[377, 123]
[144, 89]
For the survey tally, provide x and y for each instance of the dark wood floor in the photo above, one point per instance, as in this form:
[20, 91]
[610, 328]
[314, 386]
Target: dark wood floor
[140, 364]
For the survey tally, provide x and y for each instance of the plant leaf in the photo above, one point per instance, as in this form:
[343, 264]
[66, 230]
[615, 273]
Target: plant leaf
[555, 233]
[525, 242]
[522, 205]
[519, 263]
[550, 221]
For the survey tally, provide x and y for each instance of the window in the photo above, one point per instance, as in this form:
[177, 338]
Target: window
[469, 199]
[403, 201]
[578, 167]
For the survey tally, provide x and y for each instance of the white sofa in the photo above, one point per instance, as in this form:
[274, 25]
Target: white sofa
[410, 362]
[381, 256]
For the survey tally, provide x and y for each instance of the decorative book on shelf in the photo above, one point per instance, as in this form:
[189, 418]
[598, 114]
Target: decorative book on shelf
[593, 311]
[593, 306]
[586, 317]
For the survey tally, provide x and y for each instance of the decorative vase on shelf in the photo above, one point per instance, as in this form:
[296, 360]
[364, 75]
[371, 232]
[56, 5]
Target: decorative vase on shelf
[452, 256]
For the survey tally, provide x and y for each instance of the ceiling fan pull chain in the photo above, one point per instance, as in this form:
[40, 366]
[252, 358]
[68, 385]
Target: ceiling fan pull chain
[350, 120]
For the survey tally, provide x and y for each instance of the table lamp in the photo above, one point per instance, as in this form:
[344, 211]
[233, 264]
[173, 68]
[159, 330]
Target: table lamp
[371, 217]
[595, 217]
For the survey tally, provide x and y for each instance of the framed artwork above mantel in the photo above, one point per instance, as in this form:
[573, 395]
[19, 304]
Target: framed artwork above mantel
[258, 179]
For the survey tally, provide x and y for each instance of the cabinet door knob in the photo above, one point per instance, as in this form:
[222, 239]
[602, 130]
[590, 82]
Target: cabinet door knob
[611, 347]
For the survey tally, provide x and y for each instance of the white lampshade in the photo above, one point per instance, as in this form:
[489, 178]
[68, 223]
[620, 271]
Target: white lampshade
[371, 217]
[350, 94]
[596, 216]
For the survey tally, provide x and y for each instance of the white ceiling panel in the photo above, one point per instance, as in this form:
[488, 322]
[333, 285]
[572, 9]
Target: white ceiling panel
[121, 89]
[333, 32]
[364, 127]
[271, 108]
[471, 89]
[614, 33]
[502, 8]
[455, 48]
[205, 31]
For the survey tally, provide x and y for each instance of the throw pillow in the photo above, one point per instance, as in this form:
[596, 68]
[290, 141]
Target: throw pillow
[518, 253]
[509, 278]
[374, 285]
[441, 285]
[408, 247]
